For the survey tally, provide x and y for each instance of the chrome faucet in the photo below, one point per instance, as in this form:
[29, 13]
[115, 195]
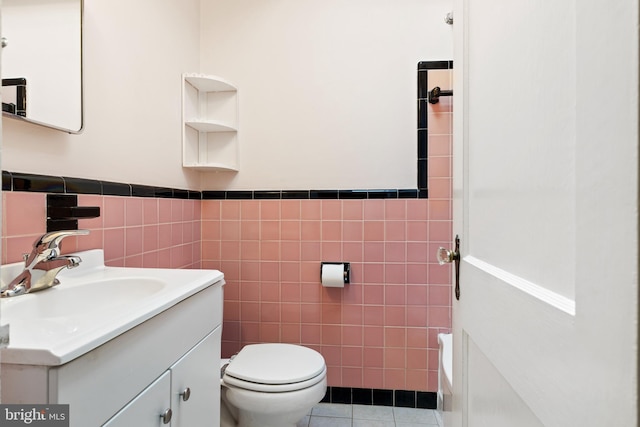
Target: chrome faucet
[43, 264]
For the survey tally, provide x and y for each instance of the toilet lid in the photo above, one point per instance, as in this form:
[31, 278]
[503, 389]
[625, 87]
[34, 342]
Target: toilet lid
[276, 364]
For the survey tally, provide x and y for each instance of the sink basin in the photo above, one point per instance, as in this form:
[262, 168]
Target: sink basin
[91, 305]
[82, 298]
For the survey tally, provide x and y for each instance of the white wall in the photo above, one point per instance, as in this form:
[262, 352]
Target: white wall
[327, 88]
[328, 92]
[135, 53]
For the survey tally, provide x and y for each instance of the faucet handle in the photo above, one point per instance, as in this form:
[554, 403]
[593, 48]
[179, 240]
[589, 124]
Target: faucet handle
[47, 246]
[52, 239]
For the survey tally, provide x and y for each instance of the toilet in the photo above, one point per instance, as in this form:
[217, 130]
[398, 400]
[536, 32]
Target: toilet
[271, 385]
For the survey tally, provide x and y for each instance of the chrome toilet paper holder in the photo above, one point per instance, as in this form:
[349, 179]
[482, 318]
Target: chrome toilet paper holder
[346, 273]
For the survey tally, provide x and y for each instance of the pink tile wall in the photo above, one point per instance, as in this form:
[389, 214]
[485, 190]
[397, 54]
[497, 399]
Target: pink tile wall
[380, 330]
[134, 232]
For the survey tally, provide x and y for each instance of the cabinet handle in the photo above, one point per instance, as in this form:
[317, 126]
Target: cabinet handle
[166, 416]
[186, 394]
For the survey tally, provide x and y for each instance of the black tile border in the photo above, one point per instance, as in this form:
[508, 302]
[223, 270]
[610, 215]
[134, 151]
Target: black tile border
[38, 183]
[7, 183]
[84, 186]
[435, 65]
[17, 181]
[315, 194]
[381, 397]
[295, 194]
[115, 189]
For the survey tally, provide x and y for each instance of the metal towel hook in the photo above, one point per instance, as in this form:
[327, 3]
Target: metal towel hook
[449, 18]
[434, 94]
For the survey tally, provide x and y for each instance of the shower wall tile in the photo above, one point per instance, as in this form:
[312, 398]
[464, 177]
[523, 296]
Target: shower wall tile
[440, 123]
[440, 167]
[441, 78]
[440, 188]
[439, 145]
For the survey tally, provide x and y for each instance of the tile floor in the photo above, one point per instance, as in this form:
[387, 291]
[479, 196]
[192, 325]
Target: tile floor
[339, 415]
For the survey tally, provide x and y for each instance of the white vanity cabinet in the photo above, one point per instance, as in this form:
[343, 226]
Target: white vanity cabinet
[185, 391]
[133, 378]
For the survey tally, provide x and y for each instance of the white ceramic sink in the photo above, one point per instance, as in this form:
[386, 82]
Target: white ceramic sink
[91, 305]
[83, 298]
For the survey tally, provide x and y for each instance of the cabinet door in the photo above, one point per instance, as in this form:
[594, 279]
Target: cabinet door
[199, 372]
[147, 408]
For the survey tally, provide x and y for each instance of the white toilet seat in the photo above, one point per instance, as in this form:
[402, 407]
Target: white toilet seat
[273, 388]
[275, 368]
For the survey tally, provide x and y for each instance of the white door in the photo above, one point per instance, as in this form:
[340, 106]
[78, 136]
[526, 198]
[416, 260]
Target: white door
[545, 204]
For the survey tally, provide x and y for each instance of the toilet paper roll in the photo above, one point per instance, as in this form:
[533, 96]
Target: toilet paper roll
[332, 275]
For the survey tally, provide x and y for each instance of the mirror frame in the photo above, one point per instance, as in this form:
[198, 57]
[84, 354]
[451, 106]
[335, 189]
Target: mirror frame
[52, 126]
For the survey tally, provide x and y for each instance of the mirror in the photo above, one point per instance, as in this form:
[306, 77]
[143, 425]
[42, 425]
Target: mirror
[42, 62]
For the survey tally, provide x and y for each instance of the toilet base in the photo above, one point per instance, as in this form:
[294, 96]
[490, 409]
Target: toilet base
[273, 409]
[227, 418]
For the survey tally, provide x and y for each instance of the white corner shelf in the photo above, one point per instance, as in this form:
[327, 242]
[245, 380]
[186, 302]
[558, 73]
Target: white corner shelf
[209, 123]
[211, 167]
[209, 83]
[209, 126]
